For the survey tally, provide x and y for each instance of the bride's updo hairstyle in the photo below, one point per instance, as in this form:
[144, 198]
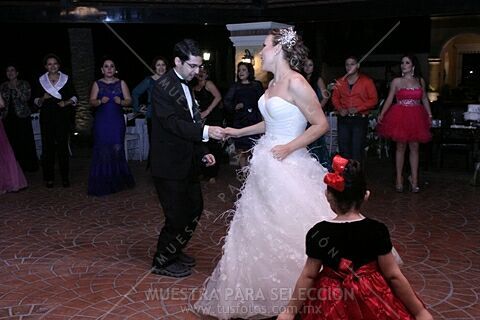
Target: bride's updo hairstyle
[347, 185]
[294, 51]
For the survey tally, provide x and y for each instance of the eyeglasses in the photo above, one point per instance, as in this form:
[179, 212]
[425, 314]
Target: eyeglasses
[194, 66]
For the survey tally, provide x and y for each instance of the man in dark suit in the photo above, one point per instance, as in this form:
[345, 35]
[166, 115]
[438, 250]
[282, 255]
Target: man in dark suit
[177, 152]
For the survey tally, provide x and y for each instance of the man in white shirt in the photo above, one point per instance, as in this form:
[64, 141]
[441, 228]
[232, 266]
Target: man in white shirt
[177, 152]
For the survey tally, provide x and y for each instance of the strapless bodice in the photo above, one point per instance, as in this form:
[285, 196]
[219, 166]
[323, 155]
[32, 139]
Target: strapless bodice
[409, 96]
[283, 120]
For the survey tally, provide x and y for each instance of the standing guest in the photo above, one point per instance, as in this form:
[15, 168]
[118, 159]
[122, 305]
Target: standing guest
[351, 272]
[353, 97]
[159, 65]
[56, 103]
[209, 98]
[177, 154]
[408, 121]
[109, 171]
[18, 125]
[319, 147]
[311, 73]
[11, 175]
[242, 101]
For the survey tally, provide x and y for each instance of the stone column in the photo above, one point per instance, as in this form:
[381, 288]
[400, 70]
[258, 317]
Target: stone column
[251, 36]
[82, 57]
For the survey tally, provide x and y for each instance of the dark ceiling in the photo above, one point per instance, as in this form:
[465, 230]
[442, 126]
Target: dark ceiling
[217, 12]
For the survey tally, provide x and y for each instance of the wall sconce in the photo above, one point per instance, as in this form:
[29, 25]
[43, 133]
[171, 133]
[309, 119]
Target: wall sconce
[206, 56]
[248, 57]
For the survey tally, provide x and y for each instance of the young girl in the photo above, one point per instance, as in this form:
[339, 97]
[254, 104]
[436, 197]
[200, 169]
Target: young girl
[360, 278]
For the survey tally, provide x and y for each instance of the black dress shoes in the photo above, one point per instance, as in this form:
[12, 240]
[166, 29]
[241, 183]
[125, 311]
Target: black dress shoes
[186, 260]
[175, 270]
[66, 183]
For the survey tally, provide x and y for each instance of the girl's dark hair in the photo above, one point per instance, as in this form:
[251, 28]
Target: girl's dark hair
[417, 73]
[295, 54]
[155, 59]
[50, 56]
[355, 188]
[251, 71]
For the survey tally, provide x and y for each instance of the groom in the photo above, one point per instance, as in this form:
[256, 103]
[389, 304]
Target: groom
[177, 152]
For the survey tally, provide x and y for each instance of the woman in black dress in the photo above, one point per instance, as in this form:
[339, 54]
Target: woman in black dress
[242, 101]
[208, 98]
[56, 102]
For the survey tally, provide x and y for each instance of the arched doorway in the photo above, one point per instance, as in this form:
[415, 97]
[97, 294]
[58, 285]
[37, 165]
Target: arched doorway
[458, 66]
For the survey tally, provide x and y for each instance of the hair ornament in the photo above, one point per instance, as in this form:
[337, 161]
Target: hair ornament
[288, 37]
[335, 179]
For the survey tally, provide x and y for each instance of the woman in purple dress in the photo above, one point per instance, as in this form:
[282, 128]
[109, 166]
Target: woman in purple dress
[109, 171]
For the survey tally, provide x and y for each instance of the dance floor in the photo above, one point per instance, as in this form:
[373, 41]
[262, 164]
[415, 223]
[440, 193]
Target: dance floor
[65, 255]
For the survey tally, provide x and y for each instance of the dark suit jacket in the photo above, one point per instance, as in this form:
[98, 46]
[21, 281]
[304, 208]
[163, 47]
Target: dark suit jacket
[176, 142]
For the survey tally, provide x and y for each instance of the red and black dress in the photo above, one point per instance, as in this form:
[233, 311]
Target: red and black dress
[350, 285]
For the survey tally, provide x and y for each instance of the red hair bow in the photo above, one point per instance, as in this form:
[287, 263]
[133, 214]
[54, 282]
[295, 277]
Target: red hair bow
[335, 179]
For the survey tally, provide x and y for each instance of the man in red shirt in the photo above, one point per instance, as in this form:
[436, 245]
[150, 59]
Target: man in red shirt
[353, 97]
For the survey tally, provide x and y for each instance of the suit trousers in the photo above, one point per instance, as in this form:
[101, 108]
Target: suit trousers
[352, 136]
[182, 205]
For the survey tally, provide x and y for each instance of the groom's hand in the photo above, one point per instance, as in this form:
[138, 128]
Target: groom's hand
[208, 160]
[216, 133]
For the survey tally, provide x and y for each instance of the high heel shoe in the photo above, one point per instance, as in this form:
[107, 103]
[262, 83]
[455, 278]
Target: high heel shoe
[399, 188]
[413, 189]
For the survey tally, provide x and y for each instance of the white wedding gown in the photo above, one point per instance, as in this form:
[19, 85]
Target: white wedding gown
[264, 250]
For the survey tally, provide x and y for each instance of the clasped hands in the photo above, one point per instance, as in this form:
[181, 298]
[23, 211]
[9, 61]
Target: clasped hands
[219, 133]
[47, 96]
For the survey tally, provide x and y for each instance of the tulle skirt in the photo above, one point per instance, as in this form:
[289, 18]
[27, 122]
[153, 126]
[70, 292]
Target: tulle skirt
[405, 124]
[345, 294]
[264, 250]
[11, 174]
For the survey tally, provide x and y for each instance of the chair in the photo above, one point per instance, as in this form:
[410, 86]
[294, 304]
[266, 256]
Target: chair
[132, 143]
[37, 135]
[456, 141]
[331, 136]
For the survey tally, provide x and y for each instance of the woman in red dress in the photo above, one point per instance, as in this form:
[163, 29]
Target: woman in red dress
[408, 121]
[360, 278]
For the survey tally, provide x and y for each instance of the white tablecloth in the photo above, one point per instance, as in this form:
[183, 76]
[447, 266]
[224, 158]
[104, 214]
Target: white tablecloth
[138, 148]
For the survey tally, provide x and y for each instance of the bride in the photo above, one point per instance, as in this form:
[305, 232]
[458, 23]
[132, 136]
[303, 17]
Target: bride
[282, 198]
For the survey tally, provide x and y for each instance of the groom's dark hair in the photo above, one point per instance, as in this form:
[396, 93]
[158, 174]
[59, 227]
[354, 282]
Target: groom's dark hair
[186, 48]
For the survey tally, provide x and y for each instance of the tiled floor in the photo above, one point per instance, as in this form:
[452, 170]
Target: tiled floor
[65, 255]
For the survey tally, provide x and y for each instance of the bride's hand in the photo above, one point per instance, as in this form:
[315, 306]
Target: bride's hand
[281, 151]
[231, 133]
